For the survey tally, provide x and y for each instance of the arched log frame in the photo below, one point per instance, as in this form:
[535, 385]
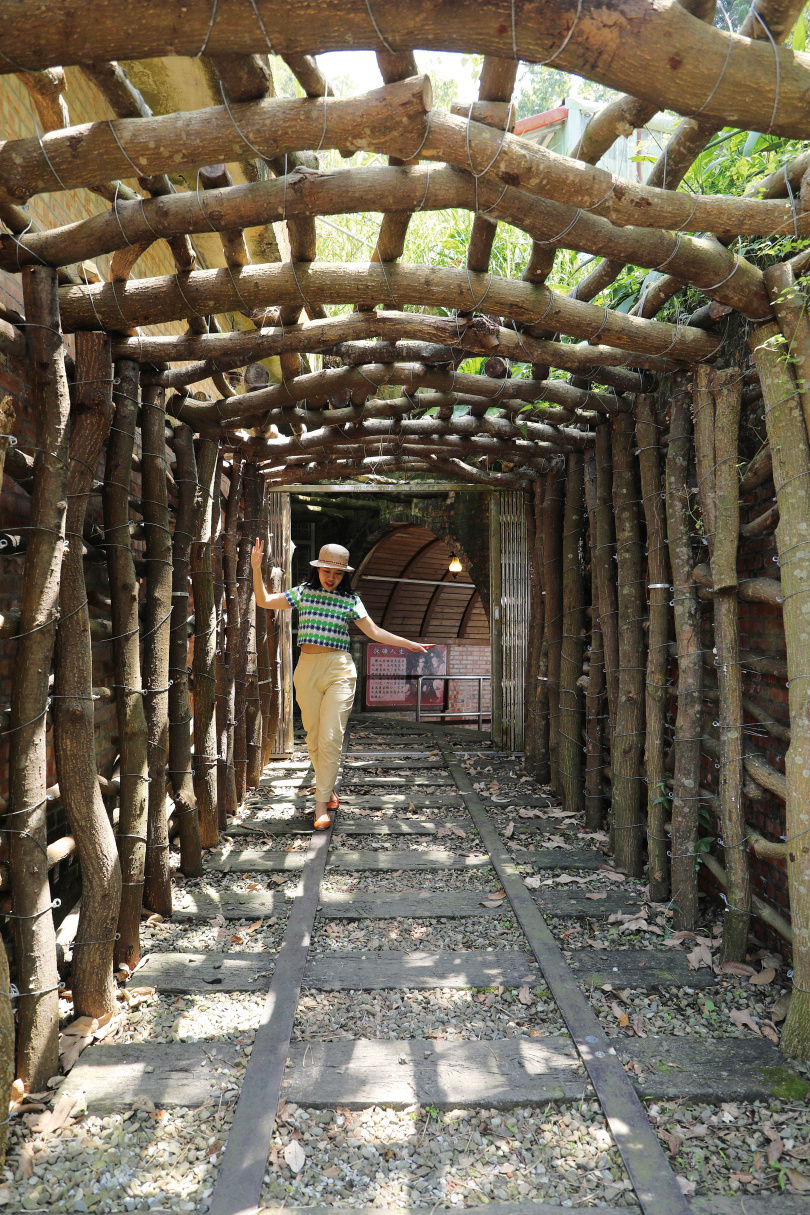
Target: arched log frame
[395, 403]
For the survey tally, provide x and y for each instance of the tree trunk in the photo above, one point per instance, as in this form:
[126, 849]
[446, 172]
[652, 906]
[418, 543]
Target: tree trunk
[251, 514]
[727, 393]
[541, 770]
[262, 646]
[38, 1014]
[552, 578]
[132, 821]
[205, 646]
[217, 567]
[535, 631]
[157, 890]
[603, 554]
[627, 740]
[569, 752]
[226, 671]
[273, 580]
[7, 1062]
[185, 803]
[73, 725]
[657, 653]
[787, 436]
[253, 712]
[688, 722]
[595, 693]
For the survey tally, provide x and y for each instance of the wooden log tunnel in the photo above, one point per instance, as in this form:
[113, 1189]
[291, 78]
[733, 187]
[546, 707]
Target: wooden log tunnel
[666, 570]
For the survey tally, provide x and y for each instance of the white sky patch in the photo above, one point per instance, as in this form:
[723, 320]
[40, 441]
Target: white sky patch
[361, 68]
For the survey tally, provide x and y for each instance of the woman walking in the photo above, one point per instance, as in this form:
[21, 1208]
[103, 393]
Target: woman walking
[325, 676]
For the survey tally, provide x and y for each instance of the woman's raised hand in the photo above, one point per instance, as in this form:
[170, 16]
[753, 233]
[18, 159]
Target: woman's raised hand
[257, 555]
[416, 648]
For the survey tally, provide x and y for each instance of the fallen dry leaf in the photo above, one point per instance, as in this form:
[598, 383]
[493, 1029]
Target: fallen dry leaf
[460, 832]
[556, 841]
[639, 1027]
[510, 831]
[596, 894]
[673, 1142]
[17, 1090]
[770, 1032]
[775, 1149]
[799, 1181]
[533, 882]
[154, 919]
[780, 1008]
[763, 978]
[492, 903]
[736, 968]
[742, 1017]
[295, 1156]
[5, 1195]
[524, 996]
[687, 1187]
[27, 1161]
[701, 955]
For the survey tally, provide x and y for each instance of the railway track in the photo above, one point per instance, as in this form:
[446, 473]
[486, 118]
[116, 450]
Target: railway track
[420, 841]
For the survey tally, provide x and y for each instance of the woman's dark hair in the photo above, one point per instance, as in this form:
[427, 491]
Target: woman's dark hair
[344, 587]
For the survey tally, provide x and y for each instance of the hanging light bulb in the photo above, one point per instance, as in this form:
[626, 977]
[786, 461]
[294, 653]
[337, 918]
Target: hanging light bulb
[455, 566]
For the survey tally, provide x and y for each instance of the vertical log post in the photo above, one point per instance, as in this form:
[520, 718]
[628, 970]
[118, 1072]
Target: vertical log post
[542, 770]
[217, 564]
[686, 773]
[262, 650]
[157, 891]
[226, 670]
[552, 578]
[205, 647]
[535, 631]
[569, 755]
[7, 1062]
[595, 693]
[604, 555]
[253, 714]
[179, 701]
[73, 725]
[787, 437]
[627, 739]
[273, 580]
[658, 640]
[126, 657]
[26, 821]
[251, 512]
[727, 392]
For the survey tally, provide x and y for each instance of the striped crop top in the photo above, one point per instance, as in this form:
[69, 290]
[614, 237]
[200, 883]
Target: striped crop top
[323, 617]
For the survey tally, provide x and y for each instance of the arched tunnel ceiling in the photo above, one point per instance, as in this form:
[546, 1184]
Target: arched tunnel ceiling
[420, 607]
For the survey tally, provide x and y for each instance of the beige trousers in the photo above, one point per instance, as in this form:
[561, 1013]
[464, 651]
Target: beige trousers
[324, 688]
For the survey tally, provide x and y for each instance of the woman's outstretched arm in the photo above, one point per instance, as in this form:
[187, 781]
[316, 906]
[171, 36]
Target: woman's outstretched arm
[372, 630]
[277, 603]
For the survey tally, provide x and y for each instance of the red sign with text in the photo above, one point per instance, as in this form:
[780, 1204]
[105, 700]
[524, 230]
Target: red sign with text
[391, 676]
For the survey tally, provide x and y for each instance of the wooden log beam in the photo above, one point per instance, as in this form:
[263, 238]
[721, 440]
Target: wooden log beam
[227, 351]
[683, 58]
[750, 590]
[155, 301]
[603, 556]
[81, 156]
[321, 386]
[701, 260]
[38, 1014]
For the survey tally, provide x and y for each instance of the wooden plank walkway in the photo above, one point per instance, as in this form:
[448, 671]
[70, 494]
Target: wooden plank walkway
[494, 1073]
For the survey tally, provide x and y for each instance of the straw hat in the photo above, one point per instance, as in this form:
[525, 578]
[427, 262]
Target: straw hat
[334, 557]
